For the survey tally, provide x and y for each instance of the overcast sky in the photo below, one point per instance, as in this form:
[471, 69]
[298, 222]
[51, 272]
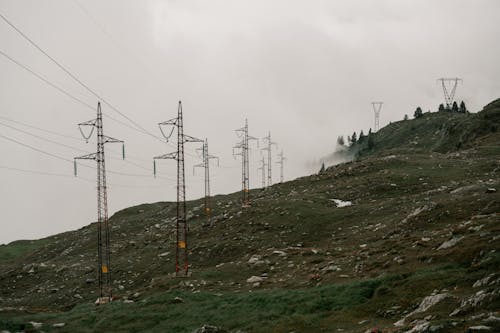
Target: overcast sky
[305, 70]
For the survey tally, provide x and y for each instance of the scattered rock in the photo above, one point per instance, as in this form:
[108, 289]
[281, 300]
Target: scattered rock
[482, 282]
[59, 325]
[27, 267]
[255, 259]
[420, 327]
[280, 253]
[418, 211]
[177, 300]
[468, 189]
[450, 243]
[209, 329]
[102, 300]
[254, 279]
[425, 305]
[331, 268]
[474, 301]
[35, 324]
[429, 301]
[492, 319]
[491, 190]
[480, 328]
[340, 203]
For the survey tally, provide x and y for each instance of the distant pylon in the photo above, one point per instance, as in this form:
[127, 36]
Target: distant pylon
[262, 168]
[377, 107]
[103, 230]
[181, 247]
[206, 165]
[243, 147]
[267, 140]
[281, 159]
[449, 88]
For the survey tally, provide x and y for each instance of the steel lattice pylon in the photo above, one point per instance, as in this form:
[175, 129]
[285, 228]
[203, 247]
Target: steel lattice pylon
[262, 169]
[449, 88]
[103, 229]
[206, 166]
[181, 248]
[267, 140]
[281, 160]
[377, 107]
[244, 151]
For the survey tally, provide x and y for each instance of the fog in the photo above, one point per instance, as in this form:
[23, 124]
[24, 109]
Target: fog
[305, 70]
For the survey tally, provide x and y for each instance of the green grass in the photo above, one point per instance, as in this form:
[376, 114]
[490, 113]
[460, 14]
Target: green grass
[257, 311]
[19, 249]
[312, 309]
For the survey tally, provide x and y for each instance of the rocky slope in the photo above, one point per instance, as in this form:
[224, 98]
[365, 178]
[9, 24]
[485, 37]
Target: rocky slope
[405, 239]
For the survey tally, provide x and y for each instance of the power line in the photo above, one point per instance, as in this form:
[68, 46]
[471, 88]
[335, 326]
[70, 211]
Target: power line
[68, 160]
[72, 147]
[42, 138]
[137, 127]
[41, 129]
[61, 90]
[74, 77]
[53, 174]
[40, 77]
[66, 93]
[69, 137]
[44, 173]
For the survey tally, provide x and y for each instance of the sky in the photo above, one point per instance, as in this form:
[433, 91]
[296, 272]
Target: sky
[307, 71]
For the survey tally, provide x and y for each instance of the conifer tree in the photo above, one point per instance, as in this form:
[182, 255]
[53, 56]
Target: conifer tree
[462, 108]
[361, 137]
[371, 142]
[354, 138]
[322, 168]
[418, 113]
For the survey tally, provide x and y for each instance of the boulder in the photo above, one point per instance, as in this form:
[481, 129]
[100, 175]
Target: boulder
[480, 328]
[209, 329]
[450, 243]
[254, 279]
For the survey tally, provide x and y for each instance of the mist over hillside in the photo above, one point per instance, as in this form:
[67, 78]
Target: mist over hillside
[403, 238]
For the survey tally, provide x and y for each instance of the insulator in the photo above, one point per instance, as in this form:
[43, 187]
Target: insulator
[74, 167]
[123, 150]
[154, 168]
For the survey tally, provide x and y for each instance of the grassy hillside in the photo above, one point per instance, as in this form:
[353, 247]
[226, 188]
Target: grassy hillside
[418, 246]
[438, 131]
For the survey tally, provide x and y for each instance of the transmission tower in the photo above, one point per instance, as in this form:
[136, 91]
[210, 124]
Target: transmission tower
[181, 248]
[267, 140]
[281, 159]
[103, 229]
[243, 148]
[262, 168]
[377, 107]
[449, 88]
[206, 165]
